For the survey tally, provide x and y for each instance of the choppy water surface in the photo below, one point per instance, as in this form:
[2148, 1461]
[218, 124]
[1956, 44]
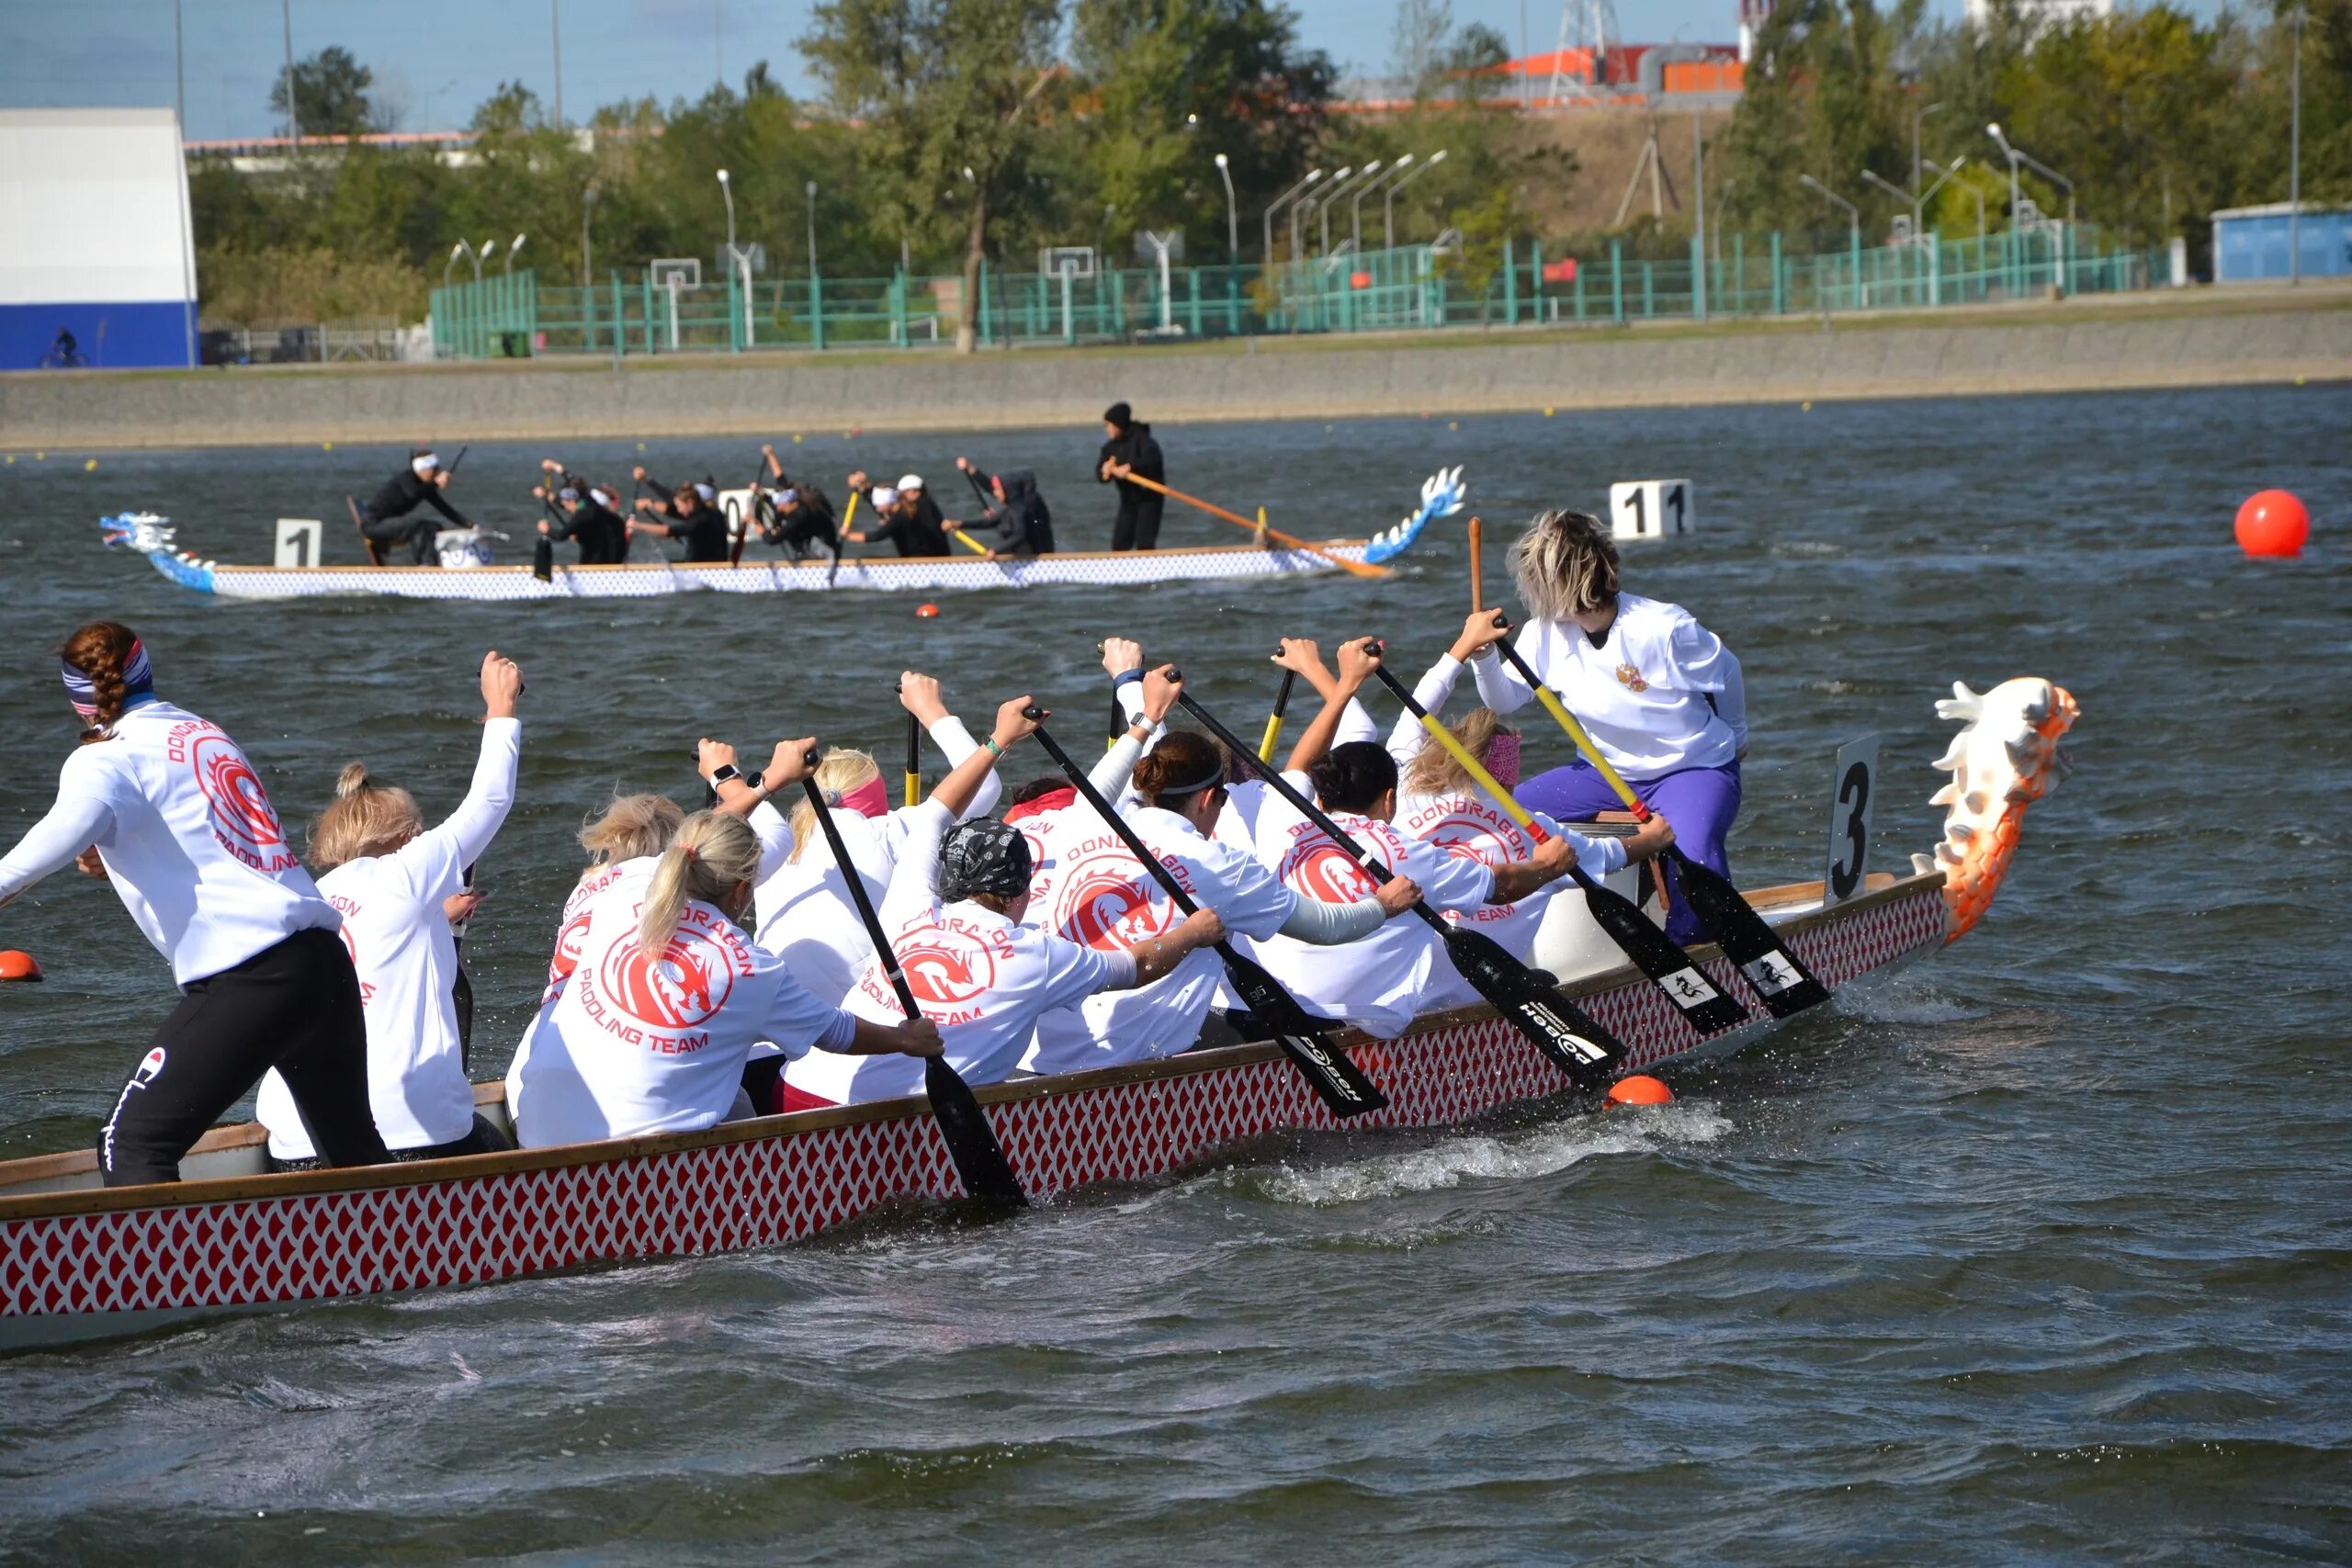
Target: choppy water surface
[2037, 1251]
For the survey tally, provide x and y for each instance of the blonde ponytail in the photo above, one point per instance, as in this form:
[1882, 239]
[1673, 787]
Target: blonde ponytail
[840, 771]
[631, 828]
[1433, 770]
[365, 818]
[712, 853]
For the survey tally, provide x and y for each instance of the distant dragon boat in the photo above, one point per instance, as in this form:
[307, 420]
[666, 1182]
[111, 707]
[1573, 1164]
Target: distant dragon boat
[79, 1261]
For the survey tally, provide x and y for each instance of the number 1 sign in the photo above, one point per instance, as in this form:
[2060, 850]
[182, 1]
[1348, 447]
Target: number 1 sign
[298, 542]
[1650, 509]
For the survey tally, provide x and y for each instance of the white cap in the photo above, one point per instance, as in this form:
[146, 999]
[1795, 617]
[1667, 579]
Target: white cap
[911, 481]
[884, 496]
[784, 497]
[423, 463]
[705, 491]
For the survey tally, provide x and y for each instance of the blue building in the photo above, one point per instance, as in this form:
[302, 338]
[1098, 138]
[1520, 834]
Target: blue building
[95, 240]
[2250, 244]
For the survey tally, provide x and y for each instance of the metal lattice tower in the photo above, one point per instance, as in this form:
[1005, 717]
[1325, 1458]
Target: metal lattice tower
[1591, 25]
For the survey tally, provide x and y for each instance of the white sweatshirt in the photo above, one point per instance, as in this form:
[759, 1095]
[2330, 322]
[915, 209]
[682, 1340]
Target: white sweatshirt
[980, 977]
[407, 958]
[1659, 695]
[656, 1042]
[1091, 890]
[191, 844]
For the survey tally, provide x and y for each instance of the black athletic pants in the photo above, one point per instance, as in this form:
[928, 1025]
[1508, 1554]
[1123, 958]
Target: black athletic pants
[416, 532]
[294, 1007]
[1137, 527]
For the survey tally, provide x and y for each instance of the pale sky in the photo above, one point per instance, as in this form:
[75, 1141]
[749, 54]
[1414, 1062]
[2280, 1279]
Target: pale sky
[436, 58]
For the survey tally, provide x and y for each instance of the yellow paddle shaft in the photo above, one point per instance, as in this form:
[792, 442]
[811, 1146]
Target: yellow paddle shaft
[1485, 781]
[914, 788]
[1273, 733]
[968, 542]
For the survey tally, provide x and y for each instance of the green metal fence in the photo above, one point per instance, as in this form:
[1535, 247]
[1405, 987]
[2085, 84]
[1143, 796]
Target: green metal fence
[1403, 289]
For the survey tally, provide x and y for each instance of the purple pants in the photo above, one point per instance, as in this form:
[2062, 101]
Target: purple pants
[1699, 802]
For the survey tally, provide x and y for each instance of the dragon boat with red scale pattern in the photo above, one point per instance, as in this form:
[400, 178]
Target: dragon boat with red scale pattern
[78, 1260]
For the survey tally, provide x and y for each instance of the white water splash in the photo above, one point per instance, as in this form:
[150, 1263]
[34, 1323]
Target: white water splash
[1475, 1157]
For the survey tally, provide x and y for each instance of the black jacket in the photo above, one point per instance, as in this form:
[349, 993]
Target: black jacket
[922, 532]
[811, 521]
[407, 491]
[1023, 524]
[1134, 447]
[601, 534]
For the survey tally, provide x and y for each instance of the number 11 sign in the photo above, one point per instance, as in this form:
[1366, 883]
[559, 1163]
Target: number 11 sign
[1651, 509]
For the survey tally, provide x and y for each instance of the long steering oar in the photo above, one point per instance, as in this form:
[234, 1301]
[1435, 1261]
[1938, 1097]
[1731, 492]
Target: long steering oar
[1705, 1008]
[1556, 1026]
[1784, 985]
[1336, 1080]
[1287, 541]
[1275, 719]
[971, 1142]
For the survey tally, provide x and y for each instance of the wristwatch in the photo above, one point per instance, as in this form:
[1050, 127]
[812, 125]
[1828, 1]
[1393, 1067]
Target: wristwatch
[723, 772]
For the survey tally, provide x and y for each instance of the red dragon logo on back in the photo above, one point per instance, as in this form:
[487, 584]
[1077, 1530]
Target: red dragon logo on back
[679, 988]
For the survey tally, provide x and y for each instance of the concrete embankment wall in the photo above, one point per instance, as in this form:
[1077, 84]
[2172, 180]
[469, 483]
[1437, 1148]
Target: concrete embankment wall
[999, 389]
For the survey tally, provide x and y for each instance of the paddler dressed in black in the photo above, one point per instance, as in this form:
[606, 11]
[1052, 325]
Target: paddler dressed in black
[1010, 505]
[584, 512]
[911, 521]
[1131, 450]
[695, 519]
[386, 521]
[805, 519]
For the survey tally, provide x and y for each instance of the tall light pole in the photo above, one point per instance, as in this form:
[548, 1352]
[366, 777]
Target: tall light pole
[2009, 152]
[1276, 206]
[2295, 155]
[2017, 155]
[293, 115]
[1853, 232]
[555, 47]
[460, 248]
[1388, 202]
[1232, 213]
[179, 71]
[488, 248]
[1914, 182]
[727, 189]
[512, 251]
[1396, 170]
[587, 205]
[810, 190]
[1323, 209]
[1309, 203]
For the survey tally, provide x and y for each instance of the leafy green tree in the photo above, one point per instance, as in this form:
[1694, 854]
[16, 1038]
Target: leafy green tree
[951, 92]
[1166, 85]
[329, 94]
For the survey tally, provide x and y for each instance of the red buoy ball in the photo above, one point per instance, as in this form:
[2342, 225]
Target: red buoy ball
[1640, 1089]
[16, 965]
[926, 612]
[2273, 523]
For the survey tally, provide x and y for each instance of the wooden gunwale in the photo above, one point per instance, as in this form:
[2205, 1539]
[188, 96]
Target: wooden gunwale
[818, 564]
[1882, 887]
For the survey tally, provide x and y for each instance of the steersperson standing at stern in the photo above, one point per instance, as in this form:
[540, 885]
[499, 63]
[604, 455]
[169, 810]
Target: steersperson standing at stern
[1660, 694]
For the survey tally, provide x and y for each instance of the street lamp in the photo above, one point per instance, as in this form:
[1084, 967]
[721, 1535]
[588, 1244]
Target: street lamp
[810, 190]
[1388, 201]
[489, 249]
[727, 189]
[587, 205]
[2295, 154]
[460, 248]
[2019, 155]
[513, 250]
[1312, 200]
[1853, 231]
[1276, 206]
[1232, 213]
[1914, 182]
[1949, 172]
[1356, 218]
[1323, 207]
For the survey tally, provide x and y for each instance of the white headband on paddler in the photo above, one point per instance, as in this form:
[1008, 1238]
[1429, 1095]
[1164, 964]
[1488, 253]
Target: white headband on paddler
[607, 499]
[423, 463]
[708, 494]
[909, 481]
[884, 496]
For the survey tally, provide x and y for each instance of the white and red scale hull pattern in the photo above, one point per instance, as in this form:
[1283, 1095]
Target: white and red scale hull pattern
[883, 573]
[73, 1272]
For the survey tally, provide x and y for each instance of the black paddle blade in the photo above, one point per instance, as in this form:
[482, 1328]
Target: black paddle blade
[1785, 986]
[1336, 1080]
[1705, 1008]
[1555, 1025]
[543, 559]
[971, 1143]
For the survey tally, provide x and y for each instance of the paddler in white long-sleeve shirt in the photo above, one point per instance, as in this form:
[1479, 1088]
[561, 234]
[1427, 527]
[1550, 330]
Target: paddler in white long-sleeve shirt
[165, 807]
[390, 879]
[1093, 890]
[1438, 801]
[1379, 983]
[670, 998]
[1662, 697]
[805, 914]
[953, 915]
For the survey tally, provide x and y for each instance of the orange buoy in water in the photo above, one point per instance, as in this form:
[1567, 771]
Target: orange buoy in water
[1640, 1089]
[2273, 523]
[14, 965]
[926, 612]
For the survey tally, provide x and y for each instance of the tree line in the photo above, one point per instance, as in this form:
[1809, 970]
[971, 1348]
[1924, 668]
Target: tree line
[947, 132]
